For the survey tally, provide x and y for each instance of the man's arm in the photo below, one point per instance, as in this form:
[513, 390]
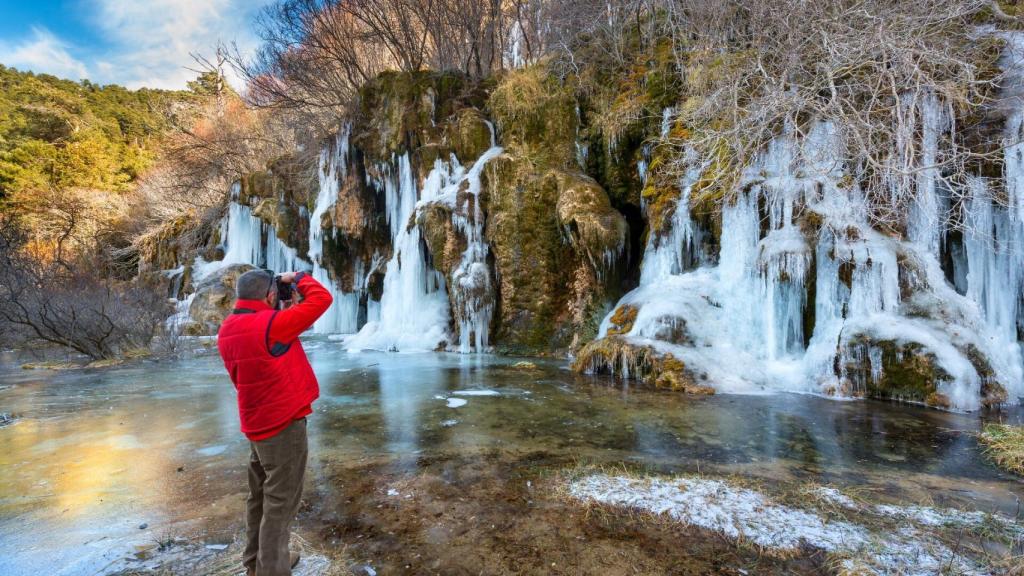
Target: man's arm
[296, 319]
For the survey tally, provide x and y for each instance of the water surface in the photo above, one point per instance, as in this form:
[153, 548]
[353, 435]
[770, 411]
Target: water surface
[101, 464]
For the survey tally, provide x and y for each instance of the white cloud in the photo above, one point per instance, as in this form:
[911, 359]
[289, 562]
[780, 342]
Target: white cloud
[151, 41]
[44, 53]
[143, 43]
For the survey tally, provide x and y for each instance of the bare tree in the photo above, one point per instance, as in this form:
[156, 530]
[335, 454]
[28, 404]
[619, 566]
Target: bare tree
[316, 55]
[873, 68]
[47, 294]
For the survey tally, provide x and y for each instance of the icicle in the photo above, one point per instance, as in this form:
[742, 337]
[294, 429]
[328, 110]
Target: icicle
[413, 312]
[927, 214]
[666, 121]
[680, 249]
[343, 316]
[472, 289]
[243, 236]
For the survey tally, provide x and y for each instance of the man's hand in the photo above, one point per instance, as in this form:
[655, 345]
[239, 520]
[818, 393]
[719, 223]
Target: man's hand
[287, 277]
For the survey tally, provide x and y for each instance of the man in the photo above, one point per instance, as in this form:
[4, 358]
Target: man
[276, 389]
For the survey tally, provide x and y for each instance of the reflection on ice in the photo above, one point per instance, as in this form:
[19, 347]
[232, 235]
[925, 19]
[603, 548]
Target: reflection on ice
[213, 450]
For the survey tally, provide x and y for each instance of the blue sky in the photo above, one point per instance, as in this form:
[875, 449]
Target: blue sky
[134, 43]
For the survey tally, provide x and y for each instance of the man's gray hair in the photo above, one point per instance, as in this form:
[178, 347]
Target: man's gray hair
[253, 285]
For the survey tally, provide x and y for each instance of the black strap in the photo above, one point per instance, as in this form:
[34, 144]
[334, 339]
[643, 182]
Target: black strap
[278, 349]
[243, 311]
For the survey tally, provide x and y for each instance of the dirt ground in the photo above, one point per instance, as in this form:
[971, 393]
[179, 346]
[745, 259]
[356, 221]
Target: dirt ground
[501, 514]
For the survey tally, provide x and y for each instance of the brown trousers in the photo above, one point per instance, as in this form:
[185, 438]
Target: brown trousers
[277, 466]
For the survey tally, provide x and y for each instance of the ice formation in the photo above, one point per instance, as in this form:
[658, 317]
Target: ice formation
[414, 307]
[414, 311]
[245, 239]
[745, 514]
[958, 302]
[343, 316]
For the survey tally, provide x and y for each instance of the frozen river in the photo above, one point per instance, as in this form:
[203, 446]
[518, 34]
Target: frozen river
[100, 468]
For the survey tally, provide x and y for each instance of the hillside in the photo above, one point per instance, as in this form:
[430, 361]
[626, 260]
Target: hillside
[59, 133]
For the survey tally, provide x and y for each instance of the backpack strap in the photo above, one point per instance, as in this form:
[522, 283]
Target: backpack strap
[278, 349]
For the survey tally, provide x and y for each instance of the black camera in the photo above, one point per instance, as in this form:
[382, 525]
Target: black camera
[284, 291]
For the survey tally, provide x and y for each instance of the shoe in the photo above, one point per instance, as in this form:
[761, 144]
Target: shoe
[293, 559]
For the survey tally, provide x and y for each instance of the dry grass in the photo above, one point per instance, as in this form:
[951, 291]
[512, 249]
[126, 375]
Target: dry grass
[1004, 444]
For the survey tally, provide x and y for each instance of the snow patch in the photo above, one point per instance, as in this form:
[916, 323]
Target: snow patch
[745, 514]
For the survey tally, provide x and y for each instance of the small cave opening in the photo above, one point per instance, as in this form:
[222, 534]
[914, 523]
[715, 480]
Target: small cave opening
[630, 277]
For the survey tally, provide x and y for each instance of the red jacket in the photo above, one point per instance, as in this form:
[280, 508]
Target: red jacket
[262, 353]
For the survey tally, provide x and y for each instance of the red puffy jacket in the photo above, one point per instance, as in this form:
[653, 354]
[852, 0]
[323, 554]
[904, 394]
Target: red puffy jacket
[263, 355]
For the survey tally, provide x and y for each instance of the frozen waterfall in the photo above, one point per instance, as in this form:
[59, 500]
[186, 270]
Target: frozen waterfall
[857, 284]
[414, 305]
[343, 316]
[414, 308]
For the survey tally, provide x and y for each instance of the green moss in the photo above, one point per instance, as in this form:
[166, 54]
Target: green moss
[585, 212]
[908, 372]
[532, 110]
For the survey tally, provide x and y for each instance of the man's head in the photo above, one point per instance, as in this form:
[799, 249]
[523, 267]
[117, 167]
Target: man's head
[257, 285]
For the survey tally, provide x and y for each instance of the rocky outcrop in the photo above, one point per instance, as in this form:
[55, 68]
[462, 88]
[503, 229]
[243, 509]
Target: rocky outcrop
[280, 196]
[594, 228]
[908, 371]
[616, 355]
[213, 301]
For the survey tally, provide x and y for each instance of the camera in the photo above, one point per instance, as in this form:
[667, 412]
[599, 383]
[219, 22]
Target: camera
[284, 291]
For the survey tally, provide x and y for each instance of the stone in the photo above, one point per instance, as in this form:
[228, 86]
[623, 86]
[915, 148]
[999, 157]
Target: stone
[214, 300]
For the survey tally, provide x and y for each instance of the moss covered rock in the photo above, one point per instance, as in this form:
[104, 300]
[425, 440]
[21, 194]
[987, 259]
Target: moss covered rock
[889, 369]
[586, 214]
[355, 231]
[622, 320]
[401, 111]
[168, 246]
[615, 355]
[469, 134]
[536, 116]
[532, 262]
[444, 242]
